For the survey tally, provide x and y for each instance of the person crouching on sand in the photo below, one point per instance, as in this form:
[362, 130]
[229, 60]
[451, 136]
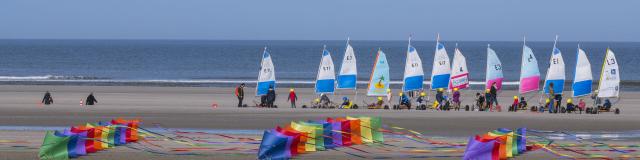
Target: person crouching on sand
[271, 97]
[48, 99]
[514, 105]
[240, 94]
[91, 100]
[570, 106]
[292, 97]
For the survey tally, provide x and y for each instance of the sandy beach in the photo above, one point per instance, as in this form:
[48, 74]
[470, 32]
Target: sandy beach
[191, 107]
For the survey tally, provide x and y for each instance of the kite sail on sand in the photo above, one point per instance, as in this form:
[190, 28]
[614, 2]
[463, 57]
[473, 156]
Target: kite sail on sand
[348, 70]
[379, 80]
[413, 74]
[267, 76]
[610, 76]
[441, 68]
[459, 72]
[326, 80]
[494, 70]
[529, 71]
[582, 79]
[555, 73]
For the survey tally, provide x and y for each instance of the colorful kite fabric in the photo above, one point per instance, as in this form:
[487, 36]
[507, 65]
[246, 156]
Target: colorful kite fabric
[319, 135]
[496, 145]
[89, 138]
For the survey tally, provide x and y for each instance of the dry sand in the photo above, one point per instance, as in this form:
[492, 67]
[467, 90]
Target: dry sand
[190, 107]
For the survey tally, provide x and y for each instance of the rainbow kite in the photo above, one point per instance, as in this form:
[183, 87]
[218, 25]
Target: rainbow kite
[309, 136]
[496, 145]
[89, 138]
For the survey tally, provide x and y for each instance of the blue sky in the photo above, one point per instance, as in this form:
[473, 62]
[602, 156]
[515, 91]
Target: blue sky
[491, 20]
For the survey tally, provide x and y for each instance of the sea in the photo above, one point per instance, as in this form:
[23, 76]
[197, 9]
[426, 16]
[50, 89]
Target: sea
[230, 62]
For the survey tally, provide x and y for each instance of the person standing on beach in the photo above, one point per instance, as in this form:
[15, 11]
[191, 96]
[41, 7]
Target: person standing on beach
[240, 94]
[292, 98]
[552, 94]
[48, 99]
[456, 99]
[91, 100]
[271, 97]
[494, 96]
[487, 102]
[439, 98]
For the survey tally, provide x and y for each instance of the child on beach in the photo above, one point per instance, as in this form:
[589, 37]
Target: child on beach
[514, 105]
[292, 97]
[523, 103]
[345, 103]
[479, 101]
[324, 101]
[570, 106]
[421, 100]
[581, 105]
[456, 99]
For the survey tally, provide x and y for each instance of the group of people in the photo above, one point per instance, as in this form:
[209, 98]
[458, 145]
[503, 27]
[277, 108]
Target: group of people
[483, 102]
[266, 100]
[48, 99]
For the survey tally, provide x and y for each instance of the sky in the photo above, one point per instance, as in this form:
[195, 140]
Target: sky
[472, 20]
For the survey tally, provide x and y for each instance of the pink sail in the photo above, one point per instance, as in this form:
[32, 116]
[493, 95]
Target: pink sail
[494, 70]
[529, 73]
[528, 84]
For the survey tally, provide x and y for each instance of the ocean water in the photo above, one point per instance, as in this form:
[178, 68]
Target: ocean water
[207, 62]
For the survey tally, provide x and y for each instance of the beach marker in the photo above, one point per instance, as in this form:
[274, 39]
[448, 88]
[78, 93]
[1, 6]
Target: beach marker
[214, 105]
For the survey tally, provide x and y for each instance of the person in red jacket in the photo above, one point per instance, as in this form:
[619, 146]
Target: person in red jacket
[292, 97]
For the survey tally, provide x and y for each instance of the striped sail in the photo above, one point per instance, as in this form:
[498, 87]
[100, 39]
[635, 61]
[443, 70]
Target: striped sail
[610, 77]
[494, 70]
[582, 78]
[325, 82]
[379, 80]
[459, 72]
[348, 70]
[441, 68]
[413, 74]
[529, 71]
[266, 77]
[555, 73]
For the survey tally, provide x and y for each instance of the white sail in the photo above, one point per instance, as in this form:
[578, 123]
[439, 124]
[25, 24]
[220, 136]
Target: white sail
[582, 79]
[267, 76]
[529, 71]
[555, 73]
[413, 74]
[441, 72]
[610, 76]
[379, 80]
[325, 82]
[459, 72]
[348, 70]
